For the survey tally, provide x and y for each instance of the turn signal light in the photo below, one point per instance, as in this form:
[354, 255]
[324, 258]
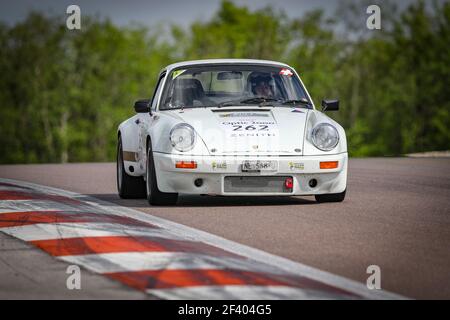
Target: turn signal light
[329, 164]
[186, 165]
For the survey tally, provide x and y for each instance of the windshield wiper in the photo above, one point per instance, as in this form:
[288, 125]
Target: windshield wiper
[227, 103]
[294, 102]
[182, 107]
[261, 101]
[258, 100]
[255, 100]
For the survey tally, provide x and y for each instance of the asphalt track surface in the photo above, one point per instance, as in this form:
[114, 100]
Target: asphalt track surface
[396, 215]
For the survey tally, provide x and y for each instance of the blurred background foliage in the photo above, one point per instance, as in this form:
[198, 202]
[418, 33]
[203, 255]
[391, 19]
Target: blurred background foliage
[64, 92]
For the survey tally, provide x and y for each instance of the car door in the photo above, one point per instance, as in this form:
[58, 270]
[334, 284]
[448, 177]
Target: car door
[145, 121]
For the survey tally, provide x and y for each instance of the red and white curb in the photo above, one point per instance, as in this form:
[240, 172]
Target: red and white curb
[165, 259]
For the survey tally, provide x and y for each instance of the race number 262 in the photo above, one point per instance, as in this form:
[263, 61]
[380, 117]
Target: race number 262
[259, 127]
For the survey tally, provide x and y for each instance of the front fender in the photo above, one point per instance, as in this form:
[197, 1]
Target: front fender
[128, 131]
[315, 117]
[159, 132]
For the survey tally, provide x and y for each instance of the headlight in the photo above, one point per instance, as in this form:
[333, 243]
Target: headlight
[325, 136]
[182, 137]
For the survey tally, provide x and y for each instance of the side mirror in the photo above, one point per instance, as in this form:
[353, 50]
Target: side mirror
[330, 105]
[141, 106]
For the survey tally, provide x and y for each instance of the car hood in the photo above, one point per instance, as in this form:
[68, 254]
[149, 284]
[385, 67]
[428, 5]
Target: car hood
[248, 130]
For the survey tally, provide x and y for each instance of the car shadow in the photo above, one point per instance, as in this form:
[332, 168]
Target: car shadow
[208, 201]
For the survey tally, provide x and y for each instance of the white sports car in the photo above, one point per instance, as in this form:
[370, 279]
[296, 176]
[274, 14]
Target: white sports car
[231, 127]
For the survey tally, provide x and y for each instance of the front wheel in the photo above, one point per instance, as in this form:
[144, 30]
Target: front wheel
[129, 187]
[154, 196]
[331, 197]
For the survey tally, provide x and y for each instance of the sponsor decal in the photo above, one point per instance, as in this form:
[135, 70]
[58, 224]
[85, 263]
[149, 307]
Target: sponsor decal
[247, 124]
[297, 110]
[296, 165]
[176, 73]
[240, 135]
[243, 115]
[219, 165]
[286, 72]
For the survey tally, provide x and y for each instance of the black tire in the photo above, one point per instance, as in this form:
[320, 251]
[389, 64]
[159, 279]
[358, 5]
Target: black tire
[154, 196]
[129, 187]
[331, 197]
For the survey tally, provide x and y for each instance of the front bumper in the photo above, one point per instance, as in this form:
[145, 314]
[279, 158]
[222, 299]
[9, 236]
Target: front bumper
[214, 169]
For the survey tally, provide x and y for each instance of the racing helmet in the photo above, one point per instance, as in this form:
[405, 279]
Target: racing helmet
[256, 78]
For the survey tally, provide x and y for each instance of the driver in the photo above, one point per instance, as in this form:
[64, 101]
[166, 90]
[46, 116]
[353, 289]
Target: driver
[261, 86]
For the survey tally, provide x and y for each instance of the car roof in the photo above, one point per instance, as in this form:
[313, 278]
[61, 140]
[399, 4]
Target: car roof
[222, 61]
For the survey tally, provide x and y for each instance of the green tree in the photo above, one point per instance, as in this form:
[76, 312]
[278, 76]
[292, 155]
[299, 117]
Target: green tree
[64, 93]
[235, 32]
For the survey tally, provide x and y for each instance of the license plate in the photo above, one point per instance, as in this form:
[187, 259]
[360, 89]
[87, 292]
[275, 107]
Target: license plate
[258, 165]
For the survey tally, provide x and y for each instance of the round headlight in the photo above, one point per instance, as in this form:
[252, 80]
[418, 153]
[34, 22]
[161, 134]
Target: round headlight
[325, 136]
[182, 137]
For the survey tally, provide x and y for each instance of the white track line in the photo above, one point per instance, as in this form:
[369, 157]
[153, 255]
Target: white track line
[137, 261]
[65, 230]
[237, 292]
[11, 188]
[189, 233]
[7, 206]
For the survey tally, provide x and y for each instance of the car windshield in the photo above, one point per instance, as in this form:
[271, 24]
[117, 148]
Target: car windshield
[222, 85]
